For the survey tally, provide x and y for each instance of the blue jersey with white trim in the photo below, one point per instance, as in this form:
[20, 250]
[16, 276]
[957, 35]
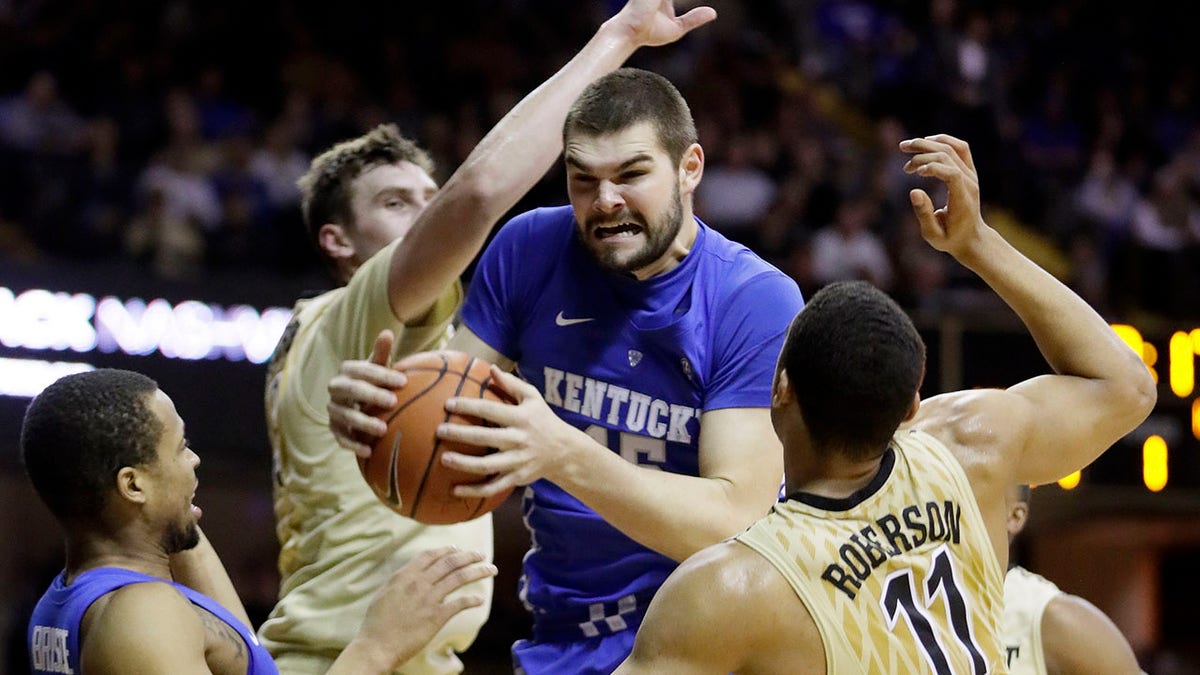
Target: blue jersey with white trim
[632, 363]
[53, 636]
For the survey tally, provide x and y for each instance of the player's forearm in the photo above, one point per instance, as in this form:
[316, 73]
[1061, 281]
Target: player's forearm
[1074, 339]
[516, 153]
[201, 569]
[671, 513]
[509, 161]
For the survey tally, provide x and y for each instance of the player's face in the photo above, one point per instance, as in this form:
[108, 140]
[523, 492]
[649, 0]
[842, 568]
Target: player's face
[625, 192]
[386, 201]
[174, 480]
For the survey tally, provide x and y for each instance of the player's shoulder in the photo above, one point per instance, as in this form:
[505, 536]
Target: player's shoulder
[972, 419]
[738, 600]
[728, 571]
[1071, 614]
[152, 621]
[554, 222]
[145, 598]
[140, 609]
[1077, 637]
[1018, 574]
[733, 270]
[734, 257]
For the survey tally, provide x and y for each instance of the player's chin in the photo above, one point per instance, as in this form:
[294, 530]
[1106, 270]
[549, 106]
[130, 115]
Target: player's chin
[620, 258]
[193, 537]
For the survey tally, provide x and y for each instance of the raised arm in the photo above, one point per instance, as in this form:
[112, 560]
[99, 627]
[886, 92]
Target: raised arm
[515, 155]
[1049, 426]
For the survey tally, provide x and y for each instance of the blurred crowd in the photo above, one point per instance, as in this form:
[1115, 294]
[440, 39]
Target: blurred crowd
[171, 134]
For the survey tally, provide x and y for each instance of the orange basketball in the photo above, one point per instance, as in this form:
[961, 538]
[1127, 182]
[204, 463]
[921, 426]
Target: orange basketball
[405, 468]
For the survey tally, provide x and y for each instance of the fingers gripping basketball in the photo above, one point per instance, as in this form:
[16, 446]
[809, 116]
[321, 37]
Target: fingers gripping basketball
[405, 469]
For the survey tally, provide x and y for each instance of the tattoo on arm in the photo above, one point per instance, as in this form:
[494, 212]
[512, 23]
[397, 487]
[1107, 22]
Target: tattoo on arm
[221, 631]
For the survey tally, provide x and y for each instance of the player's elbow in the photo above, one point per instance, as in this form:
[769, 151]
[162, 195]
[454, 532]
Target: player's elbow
[746, 506]
[478, 190]
[1137, 391]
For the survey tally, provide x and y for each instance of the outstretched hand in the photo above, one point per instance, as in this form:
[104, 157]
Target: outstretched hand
[651, 23]
[415, 603]
[955, 226]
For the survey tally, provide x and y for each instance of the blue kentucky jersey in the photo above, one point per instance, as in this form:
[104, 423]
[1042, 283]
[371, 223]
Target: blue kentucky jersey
[632, 363]
[53, 636]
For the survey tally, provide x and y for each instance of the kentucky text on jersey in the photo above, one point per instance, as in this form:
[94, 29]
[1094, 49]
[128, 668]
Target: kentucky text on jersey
[631, 410]
[912, 527]
[49, 650]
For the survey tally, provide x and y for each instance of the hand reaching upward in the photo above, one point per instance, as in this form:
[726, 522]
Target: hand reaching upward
[954, 227]
[651, 23]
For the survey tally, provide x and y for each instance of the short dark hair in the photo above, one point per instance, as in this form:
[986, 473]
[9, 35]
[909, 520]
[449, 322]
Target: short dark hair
[628, 96]
[325, 188]
[855, 361]
[80, 431]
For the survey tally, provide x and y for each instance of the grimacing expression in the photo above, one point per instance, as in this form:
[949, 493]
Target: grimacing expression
[174, 479]
[385, 201]
[624, 190]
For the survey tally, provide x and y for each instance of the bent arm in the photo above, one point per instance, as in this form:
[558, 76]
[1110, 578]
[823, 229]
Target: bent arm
[465, 340]
[740, 473]
[741, 468]
[201, 570]
[1078, 638]
[1101, 390]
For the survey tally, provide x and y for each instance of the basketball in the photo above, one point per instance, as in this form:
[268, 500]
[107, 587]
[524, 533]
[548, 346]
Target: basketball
[405, 469]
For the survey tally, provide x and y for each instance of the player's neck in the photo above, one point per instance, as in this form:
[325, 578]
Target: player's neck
[90, 551]
[681, 245]
[834, 477]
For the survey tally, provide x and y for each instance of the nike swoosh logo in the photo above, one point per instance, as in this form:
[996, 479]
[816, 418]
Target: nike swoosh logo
[561, 320]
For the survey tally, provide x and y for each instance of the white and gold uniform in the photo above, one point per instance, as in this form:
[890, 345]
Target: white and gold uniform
[338, 543]
[1025, 598]
[900, 577]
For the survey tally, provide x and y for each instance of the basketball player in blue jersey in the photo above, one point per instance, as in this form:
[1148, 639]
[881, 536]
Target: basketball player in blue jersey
[645, 343]
[398, 246]
[143, 591]
[888, 554]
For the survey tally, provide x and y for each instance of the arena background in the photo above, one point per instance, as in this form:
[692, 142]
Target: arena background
[148, 220]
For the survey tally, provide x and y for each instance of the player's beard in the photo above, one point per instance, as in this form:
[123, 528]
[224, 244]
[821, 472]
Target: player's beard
[659, 236]
[181, 537]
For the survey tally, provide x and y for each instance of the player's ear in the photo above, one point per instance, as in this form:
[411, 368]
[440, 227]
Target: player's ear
[916, 405]
[335, 241]
[1018, 513]
[131, 484]
[691, 168]
[781, 389]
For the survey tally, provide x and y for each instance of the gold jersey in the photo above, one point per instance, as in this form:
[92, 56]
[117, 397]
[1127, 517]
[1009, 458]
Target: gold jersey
[900, 577]
[1025, 598]
[338, 543]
